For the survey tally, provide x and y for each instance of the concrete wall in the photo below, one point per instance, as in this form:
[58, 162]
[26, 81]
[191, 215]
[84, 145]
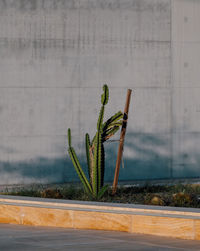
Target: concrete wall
[54, 58]
[186, 83]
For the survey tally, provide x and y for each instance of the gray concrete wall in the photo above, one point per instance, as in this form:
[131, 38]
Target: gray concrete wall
[186, 83]
[54, 58]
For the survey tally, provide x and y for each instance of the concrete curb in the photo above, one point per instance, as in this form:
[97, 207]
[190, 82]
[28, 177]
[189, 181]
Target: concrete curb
[162, 221]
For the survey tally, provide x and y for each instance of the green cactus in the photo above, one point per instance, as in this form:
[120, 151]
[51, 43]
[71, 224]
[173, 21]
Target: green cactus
[87, 148]
[77, 166]
[95, 150]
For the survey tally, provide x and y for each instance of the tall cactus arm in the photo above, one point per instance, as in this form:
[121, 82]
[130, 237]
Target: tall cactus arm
[95, 169]
[91, 151]
[69, 137]
[88, 154]
[100, 120]
[79, 170]
[100, 159]
[97, 154]
[102, 164]
[105, 95]
[77, 165]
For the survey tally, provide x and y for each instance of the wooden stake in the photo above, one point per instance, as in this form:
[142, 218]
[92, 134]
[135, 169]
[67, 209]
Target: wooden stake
[121, 143]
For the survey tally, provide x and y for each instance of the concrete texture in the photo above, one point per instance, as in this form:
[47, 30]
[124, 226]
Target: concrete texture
[54, 58]
[14, 237]
[186, 75]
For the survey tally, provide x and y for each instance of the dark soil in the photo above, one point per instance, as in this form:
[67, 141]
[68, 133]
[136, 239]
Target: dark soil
[175, 195]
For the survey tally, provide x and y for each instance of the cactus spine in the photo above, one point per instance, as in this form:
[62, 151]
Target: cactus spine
[95, 150]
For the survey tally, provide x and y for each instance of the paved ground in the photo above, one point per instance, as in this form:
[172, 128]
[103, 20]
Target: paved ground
[15, 237]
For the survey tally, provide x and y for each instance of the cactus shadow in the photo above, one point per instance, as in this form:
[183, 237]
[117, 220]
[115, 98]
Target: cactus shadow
[145, 157]
[150, 157]
[37, 171]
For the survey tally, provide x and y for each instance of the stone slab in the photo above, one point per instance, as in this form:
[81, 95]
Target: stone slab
[136, 219]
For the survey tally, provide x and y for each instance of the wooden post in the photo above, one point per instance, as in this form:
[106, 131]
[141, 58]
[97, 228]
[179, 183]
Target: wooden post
[121, 143]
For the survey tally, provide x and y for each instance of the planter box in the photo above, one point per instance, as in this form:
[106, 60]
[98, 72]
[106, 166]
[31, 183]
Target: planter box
[163, 221]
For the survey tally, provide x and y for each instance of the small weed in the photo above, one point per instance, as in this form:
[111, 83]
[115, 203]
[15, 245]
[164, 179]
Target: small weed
[51, 193]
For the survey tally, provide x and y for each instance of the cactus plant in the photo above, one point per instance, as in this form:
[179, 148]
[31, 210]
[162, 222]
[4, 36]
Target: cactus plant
[94, 186]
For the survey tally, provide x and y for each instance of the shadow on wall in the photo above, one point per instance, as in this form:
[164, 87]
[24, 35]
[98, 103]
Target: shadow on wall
[39, 170]
[146, 156]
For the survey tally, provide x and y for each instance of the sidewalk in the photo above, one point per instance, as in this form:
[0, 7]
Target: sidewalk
[16, 237]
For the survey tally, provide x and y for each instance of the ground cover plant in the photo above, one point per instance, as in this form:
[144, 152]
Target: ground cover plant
[179, 195]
